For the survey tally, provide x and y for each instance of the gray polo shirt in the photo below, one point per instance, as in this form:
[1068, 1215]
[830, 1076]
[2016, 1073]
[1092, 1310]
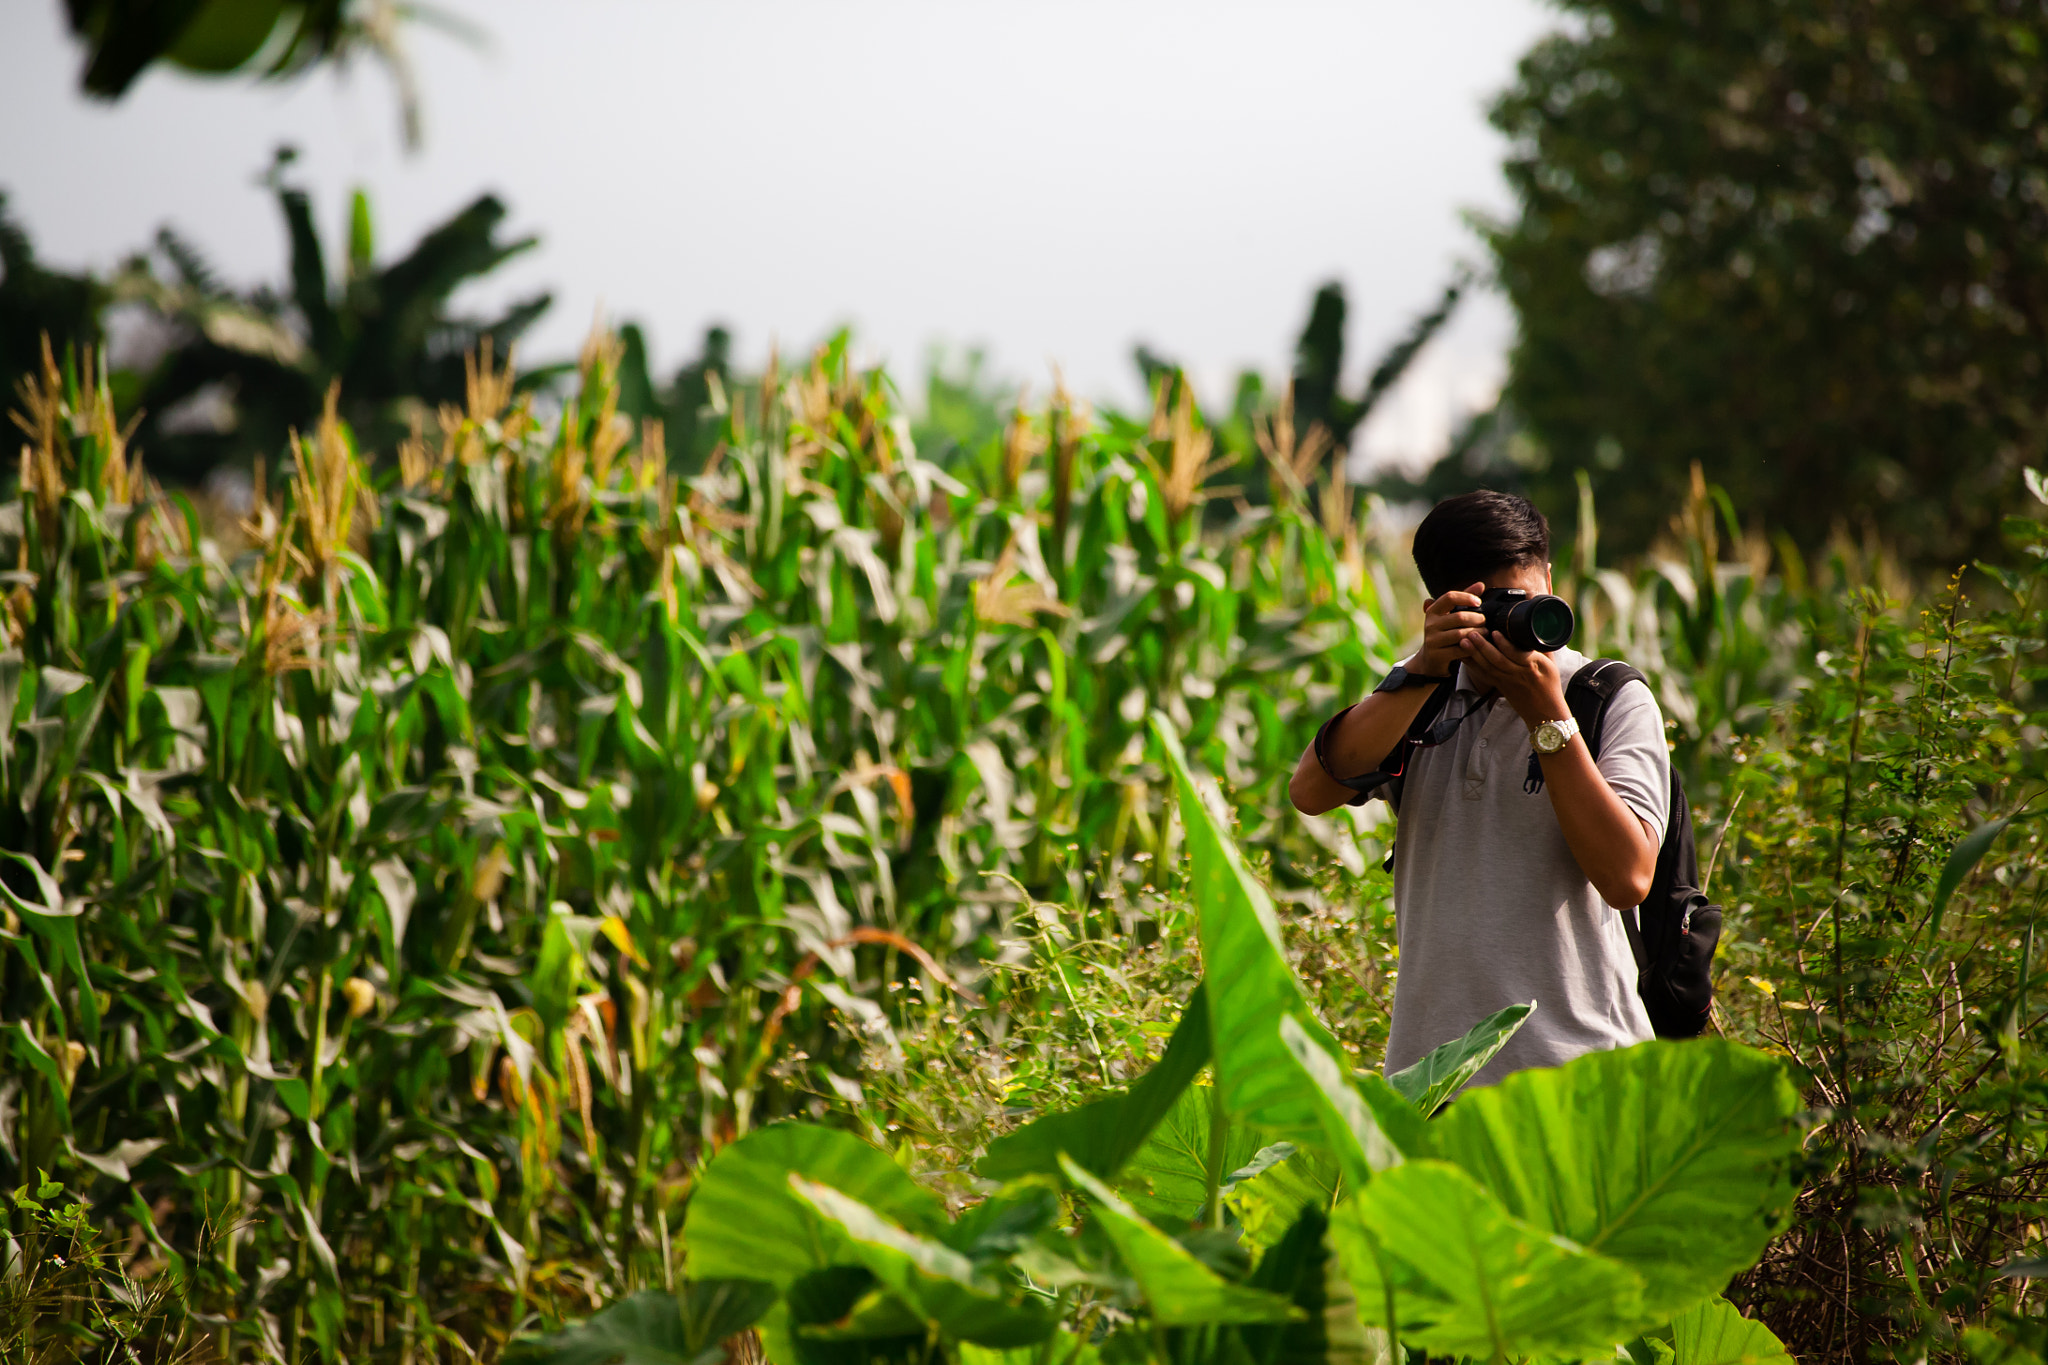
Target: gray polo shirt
[1490, 906]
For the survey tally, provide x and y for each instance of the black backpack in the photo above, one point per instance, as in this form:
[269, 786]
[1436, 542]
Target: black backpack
[1676, 929]
[1680, 928]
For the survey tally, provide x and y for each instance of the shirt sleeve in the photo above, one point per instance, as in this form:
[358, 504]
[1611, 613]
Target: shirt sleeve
[1634, 758]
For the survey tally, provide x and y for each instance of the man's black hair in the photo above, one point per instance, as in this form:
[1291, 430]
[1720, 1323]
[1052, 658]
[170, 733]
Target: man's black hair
[1466, 538]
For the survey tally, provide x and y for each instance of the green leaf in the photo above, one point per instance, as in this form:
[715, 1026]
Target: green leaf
[1301, 1266]
[1968, 852]
[938, 1283]
[1179, 1290]
[1401, 1121]
[32, 1053]
[1248, 981]
[1669, 1157]
[1348, 1126]
[1468, 1279]
[1103, 1134]
[1168, 1178]
[655, 1328]
[1430, 1083]
[746, 1223]
[1064, 1349]
[1270, 1202]
[1007, 1220]
[1714, 1333]
[297, 1098]
[1646, 1350]
[1984, 1346]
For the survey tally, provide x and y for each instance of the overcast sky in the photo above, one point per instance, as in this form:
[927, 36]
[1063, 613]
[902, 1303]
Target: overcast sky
[1052, 181]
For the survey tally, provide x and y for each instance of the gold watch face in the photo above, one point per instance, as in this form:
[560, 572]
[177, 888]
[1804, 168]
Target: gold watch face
[1549, 737]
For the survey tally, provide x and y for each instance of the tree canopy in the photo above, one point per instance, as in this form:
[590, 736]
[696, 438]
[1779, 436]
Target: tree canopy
[1796, 241]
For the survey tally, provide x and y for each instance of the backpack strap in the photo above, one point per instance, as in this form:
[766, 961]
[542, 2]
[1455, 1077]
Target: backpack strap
[1588, 695]
[1592, 690]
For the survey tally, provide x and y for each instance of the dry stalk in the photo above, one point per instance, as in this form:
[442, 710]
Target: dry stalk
[1184, 482]
[329, 487]
[999, 600]
[1023, 442]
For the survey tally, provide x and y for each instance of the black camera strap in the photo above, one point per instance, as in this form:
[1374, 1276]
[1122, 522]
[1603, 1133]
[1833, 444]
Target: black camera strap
[1389, 772]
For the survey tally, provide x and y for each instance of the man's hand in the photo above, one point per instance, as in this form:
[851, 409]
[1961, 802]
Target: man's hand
[1445, 621]
[1527, 678]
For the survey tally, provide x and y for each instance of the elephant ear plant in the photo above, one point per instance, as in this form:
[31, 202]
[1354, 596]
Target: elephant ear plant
[1249, 1200]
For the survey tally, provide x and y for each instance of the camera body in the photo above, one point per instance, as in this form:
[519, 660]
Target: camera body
[1527, 620]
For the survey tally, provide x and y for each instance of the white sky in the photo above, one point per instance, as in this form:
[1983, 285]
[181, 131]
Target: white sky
[1054, 181]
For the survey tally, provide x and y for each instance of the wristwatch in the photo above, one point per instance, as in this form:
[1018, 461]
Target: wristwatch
[1553, 735]
[1401, 679]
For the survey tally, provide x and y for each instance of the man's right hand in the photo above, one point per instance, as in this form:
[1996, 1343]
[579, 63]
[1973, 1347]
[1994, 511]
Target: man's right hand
[1445, 621]
[1370, 730]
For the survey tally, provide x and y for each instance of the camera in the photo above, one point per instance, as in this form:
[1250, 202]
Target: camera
[1528, 622]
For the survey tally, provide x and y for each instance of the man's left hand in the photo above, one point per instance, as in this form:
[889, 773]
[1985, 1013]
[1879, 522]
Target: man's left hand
[1527, 678]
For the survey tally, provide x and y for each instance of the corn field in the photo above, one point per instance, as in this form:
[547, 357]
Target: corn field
[409, 886]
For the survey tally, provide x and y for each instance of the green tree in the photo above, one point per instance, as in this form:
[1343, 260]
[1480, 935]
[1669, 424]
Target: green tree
[1797, 241]
[246, 369]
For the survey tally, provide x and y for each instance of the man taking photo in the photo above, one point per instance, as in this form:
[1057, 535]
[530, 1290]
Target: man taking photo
[1507, 889]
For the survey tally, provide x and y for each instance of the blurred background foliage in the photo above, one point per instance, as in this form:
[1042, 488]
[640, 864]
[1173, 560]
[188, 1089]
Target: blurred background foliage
[1798, 241]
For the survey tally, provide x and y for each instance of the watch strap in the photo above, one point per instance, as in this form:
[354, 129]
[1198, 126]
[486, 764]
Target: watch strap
[1569, 726]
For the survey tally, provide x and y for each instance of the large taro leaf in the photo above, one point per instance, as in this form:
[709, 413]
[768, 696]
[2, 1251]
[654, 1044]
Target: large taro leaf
[1179, 1290]
[1430, 1083]
[1349, 1129]
[1063, 1349]
[1167, 1179]
[1426, 1246]
[1267, 1204]
[1712, 1332]
[940, 1285]
[1247, 980]
[1669, 1157]
[1103, 1134]
[1302, 1266]
[656, 1328]
[746, 1222]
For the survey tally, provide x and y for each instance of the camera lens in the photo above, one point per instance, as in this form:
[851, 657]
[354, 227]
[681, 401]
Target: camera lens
[1550, 622]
